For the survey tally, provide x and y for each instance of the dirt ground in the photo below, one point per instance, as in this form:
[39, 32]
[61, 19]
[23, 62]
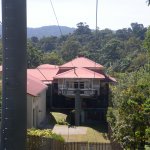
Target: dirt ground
[80, 134]
[65, 130]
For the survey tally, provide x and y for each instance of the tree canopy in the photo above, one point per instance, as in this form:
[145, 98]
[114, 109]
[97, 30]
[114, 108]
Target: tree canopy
[129, 114]
[121, 50]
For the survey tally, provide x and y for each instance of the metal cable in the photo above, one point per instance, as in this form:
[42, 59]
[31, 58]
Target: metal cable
[96, 15]
[56, 18]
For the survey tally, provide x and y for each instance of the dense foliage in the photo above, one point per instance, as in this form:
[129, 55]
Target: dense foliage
[129, 114]
[121, 50]
[44, 133]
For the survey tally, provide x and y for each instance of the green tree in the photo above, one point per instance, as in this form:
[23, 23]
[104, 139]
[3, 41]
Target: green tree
[147, 46]
[70, 49]
[34, 56]
[147, 40]
[82, 28]
[124, 34]
[129, 117]
[52, 58]
[48, 44]
[111, 52]
[138, 30]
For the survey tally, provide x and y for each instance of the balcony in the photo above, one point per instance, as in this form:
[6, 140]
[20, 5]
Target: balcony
[70, 92]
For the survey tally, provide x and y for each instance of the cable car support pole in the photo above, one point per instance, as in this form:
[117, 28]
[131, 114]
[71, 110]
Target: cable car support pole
[13, 132]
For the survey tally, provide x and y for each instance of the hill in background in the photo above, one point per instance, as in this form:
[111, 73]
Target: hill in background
[46, 31]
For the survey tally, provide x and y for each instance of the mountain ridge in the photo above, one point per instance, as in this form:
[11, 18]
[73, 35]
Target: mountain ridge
[46, 31]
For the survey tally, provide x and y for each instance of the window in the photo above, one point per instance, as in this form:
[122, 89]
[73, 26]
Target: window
[75, 85]
[67, 84]
[81, 85]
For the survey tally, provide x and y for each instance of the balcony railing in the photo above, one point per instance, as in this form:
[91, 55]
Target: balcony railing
[83, 92]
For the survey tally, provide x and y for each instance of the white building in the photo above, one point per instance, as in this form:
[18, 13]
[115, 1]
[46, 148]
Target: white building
[36, 102]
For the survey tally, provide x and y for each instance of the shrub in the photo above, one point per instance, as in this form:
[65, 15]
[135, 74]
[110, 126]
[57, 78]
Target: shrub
[47, 133]
[42, 139]
[62, 122]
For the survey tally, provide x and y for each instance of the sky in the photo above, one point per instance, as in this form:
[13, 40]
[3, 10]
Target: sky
[112, 14]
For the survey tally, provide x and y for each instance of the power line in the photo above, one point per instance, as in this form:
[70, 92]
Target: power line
[42, 74]
[56, 17]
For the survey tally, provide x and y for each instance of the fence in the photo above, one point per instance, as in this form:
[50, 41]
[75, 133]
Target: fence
[0, 115]
[38, 143]
[115, 145]
[87, 146]
[0, 112]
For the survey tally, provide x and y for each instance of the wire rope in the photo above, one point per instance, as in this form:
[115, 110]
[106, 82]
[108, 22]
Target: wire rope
[56, 17]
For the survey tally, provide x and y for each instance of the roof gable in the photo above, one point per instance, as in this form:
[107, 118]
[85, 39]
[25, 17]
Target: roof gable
[43, 74]
[80, 73]
[82, 62]
[34, 85]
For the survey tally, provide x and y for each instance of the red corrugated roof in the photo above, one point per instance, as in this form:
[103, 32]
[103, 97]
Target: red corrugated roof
[83, 63]
[79, 73]
[110, 79]
[34, 85]
[47, 66]
[43, 74]
[36, 73]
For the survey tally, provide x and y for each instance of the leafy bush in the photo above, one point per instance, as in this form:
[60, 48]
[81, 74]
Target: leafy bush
[60, 118]
[129, 115]
[47, 133]
[62, 122]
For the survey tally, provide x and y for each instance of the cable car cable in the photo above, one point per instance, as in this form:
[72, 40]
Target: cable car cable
[56, 17]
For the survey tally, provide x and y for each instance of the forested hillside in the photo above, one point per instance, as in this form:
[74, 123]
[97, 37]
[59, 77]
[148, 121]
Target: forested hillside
[47, 31]
[119, 51]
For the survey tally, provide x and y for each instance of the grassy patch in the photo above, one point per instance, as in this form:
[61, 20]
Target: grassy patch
[95, 133]
[58, 118]
[96, 136]
[91, 135]
[147, 147]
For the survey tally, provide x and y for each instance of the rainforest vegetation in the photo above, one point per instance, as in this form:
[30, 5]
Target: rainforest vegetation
[120, 51]
[125, 53]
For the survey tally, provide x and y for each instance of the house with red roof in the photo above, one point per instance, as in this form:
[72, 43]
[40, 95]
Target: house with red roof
[80, 75]
[36, 101]
[46, 75]
[36, 98]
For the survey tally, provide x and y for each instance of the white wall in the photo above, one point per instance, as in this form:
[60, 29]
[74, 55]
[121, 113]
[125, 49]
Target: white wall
[29, 111]
[41, 107]
[36, 109]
